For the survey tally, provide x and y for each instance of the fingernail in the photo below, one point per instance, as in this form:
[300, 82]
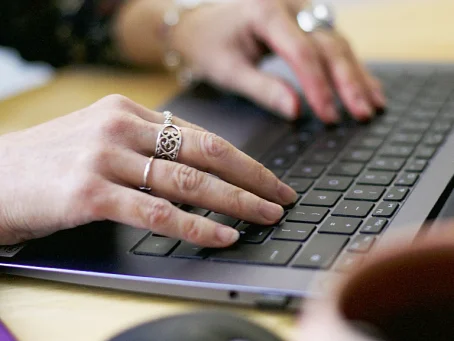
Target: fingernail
[285, 102]
[271, 212]
[226, 234]
[286, 193]
[332, 115]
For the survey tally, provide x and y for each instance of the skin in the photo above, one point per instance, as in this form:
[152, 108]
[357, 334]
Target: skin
[87, 166]
[223, 43]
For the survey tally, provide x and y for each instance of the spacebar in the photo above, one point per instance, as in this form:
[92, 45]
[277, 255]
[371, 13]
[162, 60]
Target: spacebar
[272, 253]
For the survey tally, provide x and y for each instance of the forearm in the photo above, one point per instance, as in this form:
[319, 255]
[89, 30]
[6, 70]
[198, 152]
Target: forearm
[138, 31]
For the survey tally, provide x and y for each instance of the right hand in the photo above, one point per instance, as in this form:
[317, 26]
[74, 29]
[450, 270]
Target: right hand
[87, 166]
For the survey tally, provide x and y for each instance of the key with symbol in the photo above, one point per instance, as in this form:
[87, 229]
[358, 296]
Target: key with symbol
[366, 193]
[396, 194]
[293, 231]
[307, 214]
[340, 225]
[273, 252]
[321, 251]
[334, 183]
[321, 198]
[350, 208]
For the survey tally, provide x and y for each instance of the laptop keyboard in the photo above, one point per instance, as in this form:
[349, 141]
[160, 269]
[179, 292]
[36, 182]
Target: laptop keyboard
[351, 180]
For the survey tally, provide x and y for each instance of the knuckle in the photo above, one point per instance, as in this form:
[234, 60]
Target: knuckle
[305, 50]
[237, 200]
[97, 158]
[158, 213]
[187, 179]
[117, 101]
[263, 175]
[115, 125]
[190, 231]
[87, 196]
[213, 146]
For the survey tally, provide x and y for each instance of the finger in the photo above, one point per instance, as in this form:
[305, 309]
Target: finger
[374, 86]
[345, 74]
[273, 24]
[183, 184]
[209, 152]
[126, 105]
[266, 90]
[141, 210]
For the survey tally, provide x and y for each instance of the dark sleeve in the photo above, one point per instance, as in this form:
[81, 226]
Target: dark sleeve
[60, 32]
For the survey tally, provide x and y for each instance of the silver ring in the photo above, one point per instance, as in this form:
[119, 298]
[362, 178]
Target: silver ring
[167, 117]
[316, 17]
[168, 142]
[144, 188]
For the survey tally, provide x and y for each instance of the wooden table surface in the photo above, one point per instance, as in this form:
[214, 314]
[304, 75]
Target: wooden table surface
[45, 311]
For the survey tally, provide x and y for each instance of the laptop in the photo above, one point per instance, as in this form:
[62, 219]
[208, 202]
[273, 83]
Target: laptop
[359, 185]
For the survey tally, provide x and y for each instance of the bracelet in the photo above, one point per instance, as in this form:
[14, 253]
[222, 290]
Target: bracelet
[172, 59]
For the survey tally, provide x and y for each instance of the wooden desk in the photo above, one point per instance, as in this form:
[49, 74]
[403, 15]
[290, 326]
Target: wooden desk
[37, 310]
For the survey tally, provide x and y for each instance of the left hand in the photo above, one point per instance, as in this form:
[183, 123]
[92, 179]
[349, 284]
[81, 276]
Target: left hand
[224, 43]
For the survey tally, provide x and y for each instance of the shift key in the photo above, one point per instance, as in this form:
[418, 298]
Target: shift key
[270, 253]
[321, 251]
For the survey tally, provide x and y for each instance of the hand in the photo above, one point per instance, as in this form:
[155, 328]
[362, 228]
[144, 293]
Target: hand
[224, 43]
[87, 166]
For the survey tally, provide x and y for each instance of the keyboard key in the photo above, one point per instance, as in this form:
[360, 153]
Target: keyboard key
[424, 152]
[358, 155]
[155, 246]
[298, 184]
[369, 142]
[321, 251]
[376, 178]
[380, 130]
[307, 214]
[321, 198]
[386, 164]
[385, 209]
[417, 165]
[340, 225]
[188, 250]
[348, 208]
[442, 127]
[415, 126]
[306, 171]
[281, 161]
[396, 194]
[273, 252]
[223, 219]
[348, 262]
[407, 179]
[319, 157]
[396, 151]
[334, 183]
[374, 226]
[433, 140]
[195, 210]
[293, 231]
[367, 193]
[361, 244]
[346, 168]
[405, 139]
[252, 233]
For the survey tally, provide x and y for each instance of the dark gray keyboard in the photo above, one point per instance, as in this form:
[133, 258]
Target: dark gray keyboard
[352, 180]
